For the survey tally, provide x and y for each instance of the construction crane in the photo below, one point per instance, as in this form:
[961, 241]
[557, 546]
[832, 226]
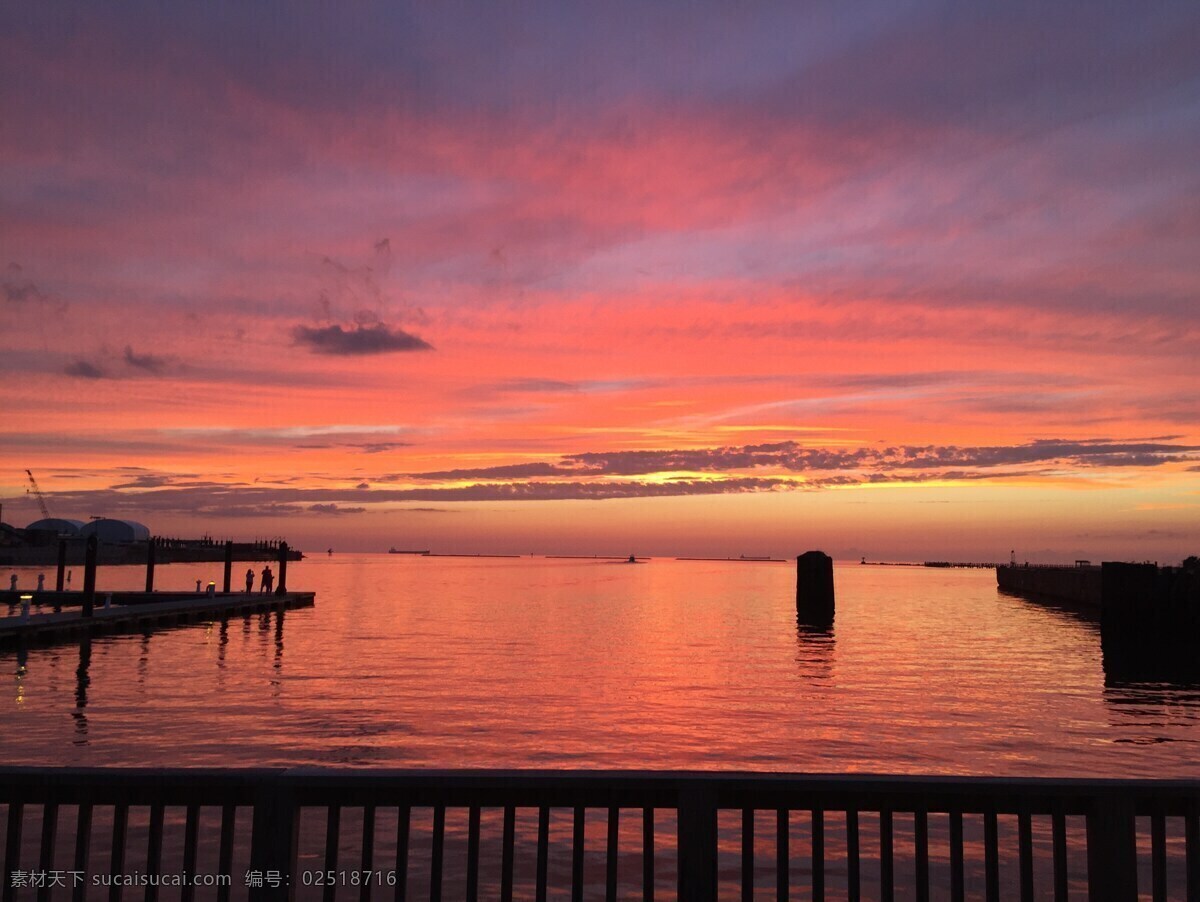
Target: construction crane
[37, 493]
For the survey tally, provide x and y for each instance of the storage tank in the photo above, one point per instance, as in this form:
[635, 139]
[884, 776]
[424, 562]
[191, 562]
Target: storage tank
[56, 525]
[116, 532]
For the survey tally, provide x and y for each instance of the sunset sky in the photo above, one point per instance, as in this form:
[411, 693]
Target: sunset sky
[896, 279]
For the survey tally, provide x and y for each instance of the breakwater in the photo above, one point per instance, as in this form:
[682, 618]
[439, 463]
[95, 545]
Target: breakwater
[1072, 584]
[1139, 593]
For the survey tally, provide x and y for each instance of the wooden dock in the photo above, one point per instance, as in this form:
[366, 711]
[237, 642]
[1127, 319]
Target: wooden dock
[134, 611]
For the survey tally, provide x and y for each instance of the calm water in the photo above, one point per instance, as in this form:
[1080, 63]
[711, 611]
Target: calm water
[456, 662]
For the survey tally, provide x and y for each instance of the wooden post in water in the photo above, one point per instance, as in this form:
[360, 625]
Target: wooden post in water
[228, 566]
[281, 589]
[814, 586]
[89, 575]
[62, 564]
[150, 549]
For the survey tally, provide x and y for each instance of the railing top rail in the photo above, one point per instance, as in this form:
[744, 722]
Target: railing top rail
[326, 786]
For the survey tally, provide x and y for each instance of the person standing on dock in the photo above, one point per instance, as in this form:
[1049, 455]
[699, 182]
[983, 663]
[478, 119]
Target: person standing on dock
[267, 579]
[249, 580]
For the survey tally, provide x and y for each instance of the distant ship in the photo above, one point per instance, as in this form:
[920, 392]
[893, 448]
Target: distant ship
[403, 551]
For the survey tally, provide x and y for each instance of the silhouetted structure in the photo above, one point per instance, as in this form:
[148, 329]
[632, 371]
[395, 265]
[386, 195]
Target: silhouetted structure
[283, 559]
[151, 548]
[89, 576]
[228, 586]
[814, 587]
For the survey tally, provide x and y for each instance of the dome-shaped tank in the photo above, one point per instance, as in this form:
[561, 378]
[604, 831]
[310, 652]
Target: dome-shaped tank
[116, 532]
[56, 525]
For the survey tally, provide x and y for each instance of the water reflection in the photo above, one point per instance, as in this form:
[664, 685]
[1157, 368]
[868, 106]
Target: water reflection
[21, 673]
[40, 680]
[277, 662]
[814, 648]
[1151, 673]
[552, 664]
[222, 644]
[82, 681]
[1137, 657]
[143, 665]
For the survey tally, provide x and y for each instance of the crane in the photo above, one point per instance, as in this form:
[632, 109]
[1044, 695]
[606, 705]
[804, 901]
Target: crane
[37, 493]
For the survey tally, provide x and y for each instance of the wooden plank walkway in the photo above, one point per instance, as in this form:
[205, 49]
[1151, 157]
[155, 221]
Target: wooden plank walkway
[139, 610]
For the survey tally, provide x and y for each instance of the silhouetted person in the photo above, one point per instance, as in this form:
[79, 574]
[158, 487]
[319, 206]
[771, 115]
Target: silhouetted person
[249, 580]
[268, 579]
[12, 583]
[41, 582]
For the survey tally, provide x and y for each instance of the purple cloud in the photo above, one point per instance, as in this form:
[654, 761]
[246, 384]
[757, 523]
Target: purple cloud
[372, 339]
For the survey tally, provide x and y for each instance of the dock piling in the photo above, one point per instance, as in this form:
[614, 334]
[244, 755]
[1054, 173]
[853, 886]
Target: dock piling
[150, 547]
[814, 586]
[89, 576]
[228, 566]
[62, 563]
[283, 559]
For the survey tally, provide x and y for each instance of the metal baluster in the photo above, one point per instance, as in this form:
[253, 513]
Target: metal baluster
[46, 857]
[853, 865]
[991, 856]
[747, 855]
[577, 858]
[543, 852]
[647, 855]
[154, 850]
[439, 842]
[887, 878]
[117, 860]
[506, 864]
[83, 848]
[473, 854]
[368, 853]
[191, 842]
[1025, 854]
[957, 885]
[818, 855]
[1158, 856]
[610, 881]
[783, 863]
[921, 850]
[403, 814]
[333, 824]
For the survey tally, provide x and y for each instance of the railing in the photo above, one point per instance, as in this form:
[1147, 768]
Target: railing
[711, 814]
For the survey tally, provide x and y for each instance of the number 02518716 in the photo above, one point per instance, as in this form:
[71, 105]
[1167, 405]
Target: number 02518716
[348, 878]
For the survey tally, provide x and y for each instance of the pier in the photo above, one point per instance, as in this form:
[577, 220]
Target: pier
[1075, 584]
[135, 611]
[101, 612]
[1133, 594]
